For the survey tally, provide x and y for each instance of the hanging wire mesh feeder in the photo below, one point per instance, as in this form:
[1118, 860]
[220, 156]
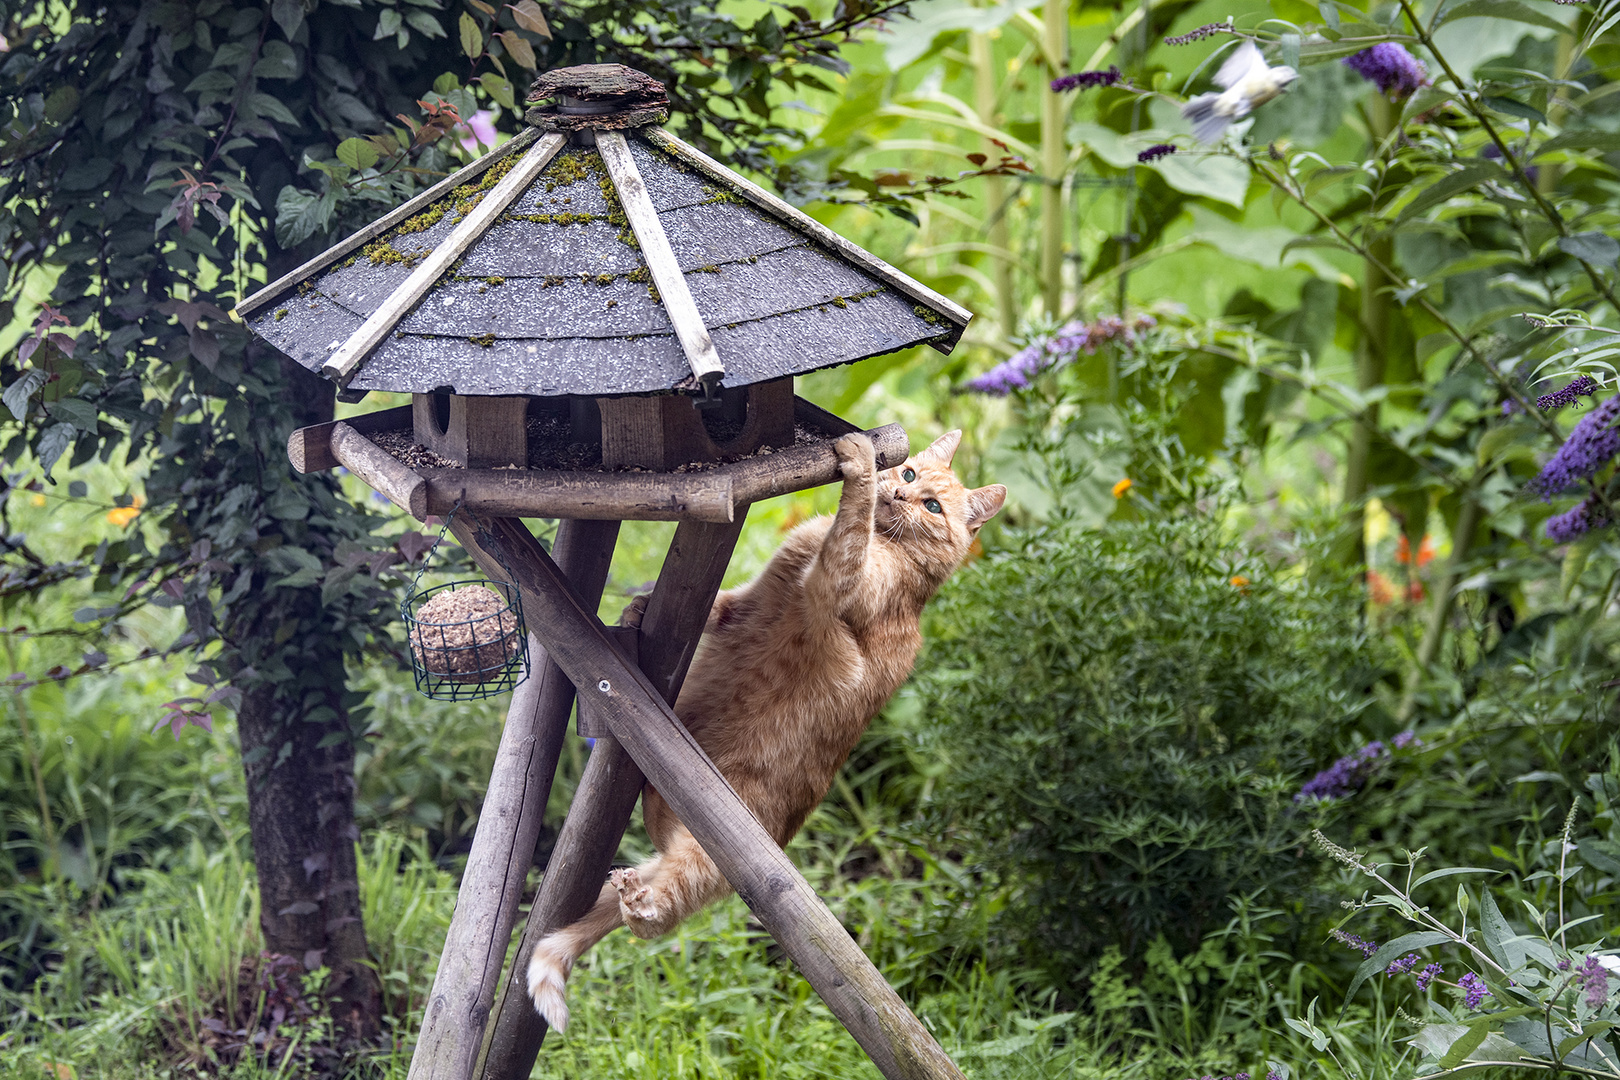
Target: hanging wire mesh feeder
[467, 637]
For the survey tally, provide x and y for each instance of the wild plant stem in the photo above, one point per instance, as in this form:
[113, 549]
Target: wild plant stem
[46, 823]
[1054, 156]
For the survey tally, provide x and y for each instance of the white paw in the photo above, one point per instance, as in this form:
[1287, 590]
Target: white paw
[856, 457]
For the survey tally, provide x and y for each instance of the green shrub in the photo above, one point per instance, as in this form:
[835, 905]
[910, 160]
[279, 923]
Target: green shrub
[1121, 720]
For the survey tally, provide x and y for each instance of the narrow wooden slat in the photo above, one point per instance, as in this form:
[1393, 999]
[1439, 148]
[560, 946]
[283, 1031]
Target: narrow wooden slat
[587, 725]
[797, 468]
[676, 765]
[803, 222]
[661, 264]
[608, 790]
[471, 171]
[380, 469]
[704, 496]
[310, 448]
[342, 364]
[509, 823]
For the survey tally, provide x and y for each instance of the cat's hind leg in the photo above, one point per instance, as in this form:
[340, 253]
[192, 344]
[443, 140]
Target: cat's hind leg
[555, 954]
[658, 895]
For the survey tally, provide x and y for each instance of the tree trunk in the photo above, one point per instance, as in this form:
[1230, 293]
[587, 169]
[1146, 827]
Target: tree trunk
[301, 811]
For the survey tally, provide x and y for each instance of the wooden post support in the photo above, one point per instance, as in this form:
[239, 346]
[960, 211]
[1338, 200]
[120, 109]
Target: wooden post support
[612, 783]
[765, 878]
[508, 827]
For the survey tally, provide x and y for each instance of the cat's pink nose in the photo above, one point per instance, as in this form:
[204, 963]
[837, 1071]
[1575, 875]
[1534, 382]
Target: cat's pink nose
[900, 493]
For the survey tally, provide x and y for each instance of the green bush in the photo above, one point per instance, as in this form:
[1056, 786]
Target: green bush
[1121, 720]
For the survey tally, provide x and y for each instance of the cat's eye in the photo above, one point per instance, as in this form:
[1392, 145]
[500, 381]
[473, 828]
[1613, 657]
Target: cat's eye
[908, 475]
[932, 506]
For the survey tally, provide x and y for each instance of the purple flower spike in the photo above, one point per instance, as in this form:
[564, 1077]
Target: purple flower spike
[1069, 341]
[1474, 990]
[1085, 80]
[1426, 976]
[1579, 387]
[1389, 67]
[1405, 739]
[1593, 978]
[1345, 776]
[1362, 945]
[1575, 522]
[1155, 152]
[1590, 446]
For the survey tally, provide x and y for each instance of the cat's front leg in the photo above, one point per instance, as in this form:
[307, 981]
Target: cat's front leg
[832, 582]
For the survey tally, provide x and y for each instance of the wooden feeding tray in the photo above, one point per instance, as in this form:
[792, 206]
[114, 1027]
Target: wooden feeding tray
[376, 447]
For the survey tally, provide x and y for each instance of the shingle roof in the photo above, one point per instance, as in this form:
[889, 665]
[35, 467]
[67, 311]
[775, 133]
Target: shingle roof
[554, 296]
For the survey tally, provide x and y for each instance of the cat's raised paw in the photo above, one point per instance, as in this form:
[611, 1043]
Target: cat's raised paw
[633, 612]
[856, 457]
[635, 901]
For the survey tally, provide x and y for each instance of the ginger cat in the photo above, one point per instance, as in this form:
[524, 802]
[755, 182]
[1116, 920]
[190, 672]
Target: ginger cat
[791, 669]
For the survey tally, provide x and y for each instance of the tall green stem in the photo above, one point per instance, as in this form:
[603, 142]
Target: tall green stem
[985, 86]
[1054, 157]
[1372, 359]
[1462, 538]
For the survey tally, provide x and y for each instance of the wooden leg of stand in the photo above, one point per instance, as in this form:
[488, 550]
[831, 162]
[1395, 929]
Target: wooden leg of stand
[608, 791]
[765, 878]
[508, 826]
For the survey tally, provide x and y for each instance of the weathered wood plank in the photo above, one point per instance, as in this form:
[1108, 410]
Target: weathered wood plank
[380, 469]
[246, 308]
[508, 825]
[587, 724]
[704, 496]
[479, 432]
[310, 448]
[673, 762]
[690, 328]
[352, 353]
[607, 792]
[691, 155]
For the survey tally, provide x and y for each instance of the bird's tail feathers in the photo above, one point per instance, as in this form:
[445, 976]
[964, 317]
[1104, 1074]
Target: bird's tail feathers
[1208, 124]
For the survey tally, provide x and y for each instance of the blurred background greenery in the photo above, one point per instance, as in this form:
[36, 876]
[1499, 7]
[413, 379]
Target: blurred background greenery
[1271, 524]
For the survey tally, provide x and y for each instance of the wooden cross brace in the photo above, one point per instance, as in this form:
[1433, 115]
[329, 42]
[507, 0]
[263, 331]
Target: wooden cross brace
[648, 741]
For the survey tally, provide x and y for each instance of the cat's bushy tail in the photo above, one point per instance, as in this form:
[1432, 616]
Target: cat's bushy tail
[555, 954]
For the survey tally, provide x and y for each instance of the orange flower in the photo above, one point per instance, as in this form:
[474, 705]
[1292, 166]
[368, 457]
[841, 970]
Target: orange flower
[1122, 487]
[123, 515]
[1379, 588]
[1240, 583]
[1403, 551]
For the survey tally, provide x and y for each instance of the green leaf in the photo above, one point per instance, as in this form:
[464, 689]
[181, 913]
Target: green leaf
[17, 394]
[288, 14]
[1452, 871]
[1390, 952]
[1594, 852]
[60, 105]
[1499, 937]
[1605, 142]
[1517, 108]
[300, 215]
[527, 14]
[1574, 564]
[426, 23]
[53, 444]
[1458, 1051]
[76, 411]
[1452, 184]
[357, 153]
[270, 106]
[472, 38]
[1501, 9]
[499, 89]
[276, 61]
[518, 49]
[388, 24]
[1593, 247]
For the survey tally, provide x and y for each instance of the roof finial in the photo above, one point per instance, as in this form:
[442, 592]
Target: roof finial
[605, 97]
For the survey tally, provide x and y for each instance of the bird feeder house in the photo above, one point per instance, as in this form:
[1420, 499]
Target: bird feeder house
[597, 322]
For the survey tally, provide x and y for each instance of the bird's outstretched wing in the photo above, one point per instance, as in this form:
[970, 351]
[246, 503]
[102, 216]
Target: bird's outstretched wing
[1244, 60]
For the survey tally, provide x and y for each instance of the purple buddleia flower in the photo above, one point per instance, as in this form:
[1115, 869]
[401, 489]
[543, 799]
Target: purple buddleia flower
[1085, 80]
[1067, 342]
[1593, 979]
[1345, 776]
[1155, 152]
[1360, 944]
[1273, 1074]
[1199, 33]
[1509, 407]
[1591, 445]
[1579, 387]
[1576, 522]
[1389, 67]
[1011, 374]
[1474, 991]
[1426, 976]
[1405, 739]
[1402, 966]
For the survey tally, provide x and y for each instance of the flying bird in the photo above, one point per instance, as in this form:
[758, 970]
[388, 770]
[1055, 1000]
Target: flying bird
[1246, 81]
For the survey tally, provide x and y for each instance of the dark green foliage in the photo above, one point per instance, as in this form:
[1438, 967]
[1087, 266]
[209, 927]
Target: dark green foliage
[1122, 719]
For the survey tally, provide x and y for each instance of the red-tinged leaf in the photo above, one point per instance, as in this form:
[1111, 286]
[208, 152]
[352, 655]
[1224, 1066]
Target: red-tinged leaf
[518, 49]
[203, 720]
[977, 159]
[175, 588]
[58, 671]
[528, 15]
[892, 179]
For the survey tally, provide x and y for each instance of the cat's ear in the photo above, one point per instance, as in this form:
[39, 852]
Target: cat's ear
[983, 504]
[943, 448]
